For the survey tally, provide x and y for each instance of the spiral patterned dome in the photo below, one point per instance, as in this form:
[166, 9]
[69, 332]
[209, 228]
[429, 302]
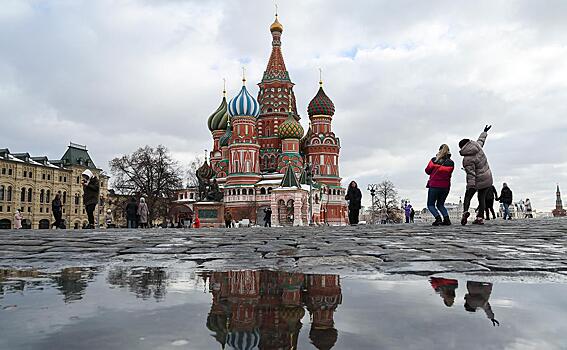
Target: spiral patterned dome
[290, 129]
[243, 105]
[219, 118]
[321, 104]
[225, 139]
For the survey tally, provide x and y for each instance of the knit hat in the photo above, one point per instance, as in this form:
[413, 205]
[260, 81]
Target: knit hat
[463, 142]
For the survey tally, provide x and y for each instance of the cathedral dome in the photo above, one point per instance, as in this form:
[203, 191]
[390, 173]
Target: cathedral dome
[321, 104]
[243, 105]
[290, 129]
[276, 26]
[225, 139]
[219, 118]
[205, 171]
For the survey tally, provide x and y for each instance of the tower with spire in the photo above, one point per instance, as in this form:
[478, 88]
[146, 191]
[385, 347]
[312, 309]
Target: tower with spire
[559, 211]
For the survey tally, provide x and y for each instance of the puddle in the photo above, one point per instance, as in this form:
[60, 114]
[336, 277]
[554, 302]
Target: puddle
[169, 308]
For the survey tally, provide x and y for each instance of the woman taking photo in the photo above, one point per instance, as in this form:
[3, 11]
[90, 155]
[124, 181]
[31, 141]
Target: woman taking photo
[439, 169]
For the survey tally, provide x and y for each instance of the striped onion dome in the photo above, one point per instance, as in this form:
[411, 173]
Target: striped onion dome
[225, 139]
[290, 129]
[219, 118]
[243, 105]
[244, 340]
[321, 104]
[205, 171]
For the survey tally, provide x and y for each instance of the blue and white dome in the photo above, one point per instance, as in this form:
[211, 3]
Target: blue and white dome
[243, 105]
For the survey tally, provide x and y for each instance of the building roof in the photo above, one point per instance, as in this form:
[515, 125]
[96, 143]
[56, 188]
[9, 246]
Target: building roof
[289, 179]
[77, 155]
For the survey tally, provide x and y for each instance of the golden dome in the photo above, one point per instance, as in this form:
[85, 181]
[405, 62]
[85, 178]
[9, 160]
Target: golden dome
[276, 26]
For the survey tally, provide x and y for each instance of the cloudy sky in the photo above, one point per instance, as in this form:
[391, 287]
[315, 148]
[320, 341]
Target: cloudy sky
[405, 76]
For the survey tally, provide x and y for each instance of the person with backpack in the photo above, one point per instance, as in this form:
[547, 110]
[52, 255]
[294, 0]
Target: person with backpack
[440, 169]
[506, 198]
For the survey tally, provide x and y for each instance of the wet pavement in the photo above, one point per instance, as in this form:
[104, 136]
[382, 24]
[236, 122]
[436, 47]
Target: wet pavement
[141, 307]
[518, 249]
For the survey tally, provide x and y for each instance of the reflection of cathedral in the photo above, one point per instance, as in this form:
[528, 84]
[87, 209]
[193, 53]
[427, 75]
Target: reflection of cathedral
[260, 152]
[263, 309]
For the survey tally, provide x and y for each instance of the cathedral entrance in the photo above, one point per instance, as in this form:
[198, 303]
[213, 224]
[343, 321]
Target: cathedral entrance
[285, 212]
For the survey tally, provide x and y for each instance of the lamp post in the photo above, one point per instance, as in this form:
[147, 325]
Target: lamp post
[372, 189]
[309, 176]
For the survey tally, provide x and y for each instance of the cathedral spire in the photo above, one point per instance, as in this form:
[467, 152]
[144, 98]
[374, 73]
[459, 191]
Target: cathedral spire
[276, 69]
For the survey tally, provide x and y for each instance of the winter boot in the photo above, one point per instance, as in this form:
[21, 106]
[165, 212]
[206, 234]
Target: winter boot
[478, 221]
[465, 218]
[446, 221]
[437, 221]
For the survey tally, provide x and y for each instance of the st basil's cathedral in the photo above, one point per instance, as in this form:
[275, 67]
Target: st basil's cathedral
[261, 157]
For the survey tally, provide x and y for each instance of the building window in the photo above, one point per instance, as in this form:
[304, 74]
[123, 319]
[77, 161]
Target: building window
[29, 195]
[78, 179]
[63, 210]
[48, 196]
[65, 179]
[3, 171]
[77, 199]
[43, 176]
[1, 192]
[47, 210]
[9, 194]
[48, 176]
[60, 178]
[29, 209]
[23, 195]
[24, 174]
[76, 210]
[8, 209]
[191, 195]
[41, 196]
[9, 171]
[64, 197]
[41, 209]
[30, 174]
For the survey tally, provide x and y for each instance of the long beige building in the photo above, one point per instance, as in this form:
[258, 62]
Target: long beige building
[30, 184]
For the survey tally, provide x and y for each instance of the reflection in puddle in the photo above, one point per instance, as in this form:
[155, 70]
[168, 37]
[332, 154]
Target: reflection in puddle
[264, 309]
[169, 308]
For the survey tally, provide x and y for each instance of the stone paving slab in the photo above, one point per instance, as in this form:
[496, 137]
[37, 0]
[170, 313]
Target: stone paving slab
[518, 247]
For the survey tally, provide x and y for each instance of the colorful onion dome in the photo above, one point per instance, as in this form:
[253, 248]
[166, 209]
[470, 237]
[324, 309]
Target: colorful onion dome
[205, 171]
[219, 118]
[321, 104]
[225, 139]
[243, 105]
[290, 129]
[276, 26]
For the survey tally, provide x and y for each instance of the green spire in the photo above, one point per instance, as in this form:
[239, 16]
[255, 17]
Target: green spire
[289, 179]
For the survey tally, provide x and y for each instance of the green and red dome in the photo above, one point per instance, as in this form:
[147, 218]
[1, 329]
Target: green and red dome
[321, 104]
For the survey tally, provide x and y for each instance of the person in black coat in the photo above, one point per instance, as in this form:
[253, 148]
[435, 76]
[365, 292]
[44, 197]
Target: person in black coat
[354, 198]
[57, 210]
[491, 195]
[91, 194]
[506, 198]
[268, 217]
[132, 213]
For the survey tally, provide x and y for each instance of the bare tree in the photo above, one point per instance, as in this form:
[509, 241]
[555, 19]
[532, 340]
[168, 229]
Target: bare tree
[386, 202]
[150, 173]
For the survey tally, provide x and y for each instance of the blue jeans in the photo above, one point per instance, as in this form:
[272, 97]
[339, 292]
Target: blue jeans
[436, 200]
[506, 211]
[132, 224]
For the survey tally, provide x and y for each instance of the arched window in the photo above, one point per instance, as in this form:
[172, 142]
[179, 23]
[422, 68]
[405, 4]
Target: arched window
[41, 196]
[64, 197]
[238, 191]
[269, 190]
[9, 194]
[23, 195]
[262, 190]
[48, 196]
[251, 191]
[29, 195]
[76, 199]
[2, 193]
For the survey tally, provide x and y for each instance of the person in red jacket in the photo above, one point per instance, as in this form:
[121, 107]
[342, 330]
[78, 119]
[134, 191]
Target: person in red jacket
[439, 169]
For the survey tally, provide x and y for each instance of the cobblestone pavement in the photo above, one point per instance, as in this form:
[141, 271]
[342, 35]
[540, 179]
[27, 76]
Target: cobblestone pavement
[520, 248]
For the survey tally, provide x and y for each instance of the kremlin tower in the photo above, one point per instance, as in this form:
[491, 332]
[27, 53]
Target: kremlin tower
[559, 211]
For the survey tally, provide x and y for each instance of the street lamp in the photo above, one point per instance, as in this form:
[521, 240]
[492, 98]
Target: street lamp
[372, 188]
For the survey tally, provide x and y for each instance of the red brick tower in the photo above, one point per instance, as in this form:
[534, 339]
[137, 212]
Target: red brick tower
[276, 89]
[290, 132]
[559, 211]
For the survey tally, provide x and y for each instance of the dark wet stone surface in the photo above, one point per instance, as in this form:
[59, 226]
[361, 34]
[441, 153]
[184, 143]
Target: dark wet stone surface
[155, 307]
[519, 246]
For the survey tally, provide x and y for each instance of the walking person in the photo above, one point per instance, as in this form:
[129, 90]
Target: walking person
[440, 169]
[354, 198]
[407, 211]
[491, 195]
[268, 217]
[479, 175]
[227, 219]
[132, 213]
[142, 213]
[18, 217]
[528, 206]
[57, 210]
[412, 215]
[108, 219]
[91, 194]
[506, 200]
